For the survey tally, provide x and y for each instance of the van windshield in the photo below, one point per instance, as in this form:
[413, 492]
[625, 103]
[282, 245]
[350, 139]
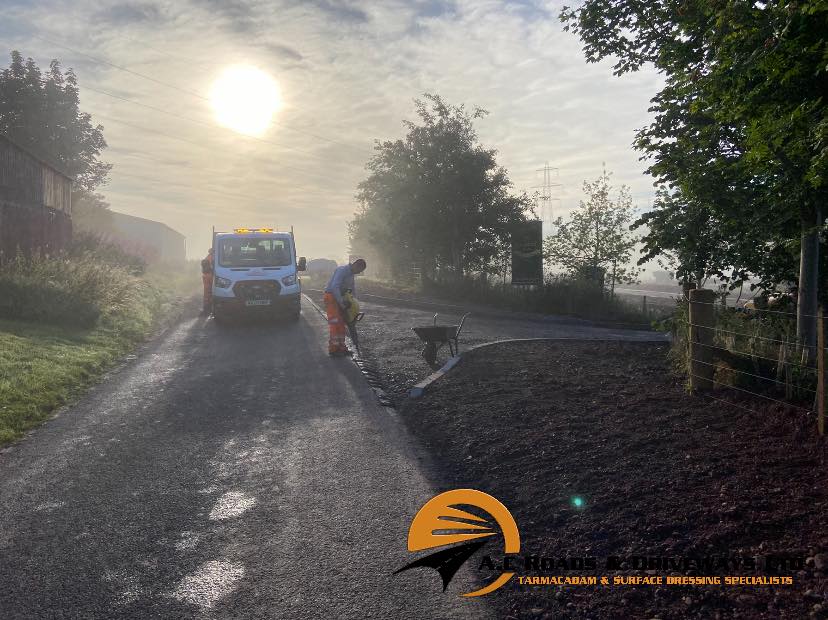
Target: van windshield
[253, 252]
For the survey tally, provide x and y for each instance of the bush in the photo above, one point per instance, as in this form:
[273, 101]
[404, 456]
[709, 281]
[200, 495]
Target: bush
[73, 291]
[756, 350]
[559, 295]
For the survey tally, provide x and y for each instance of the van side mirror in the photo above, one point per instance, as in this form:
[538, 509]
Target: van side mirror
[302, 264]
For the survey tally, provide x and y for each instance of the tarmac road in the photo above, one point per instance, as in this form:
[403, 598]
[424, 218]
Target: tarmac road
[226, 472]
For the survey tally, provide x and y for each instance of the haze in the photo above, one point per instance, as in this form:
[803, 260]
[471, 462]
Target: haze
[347, 73]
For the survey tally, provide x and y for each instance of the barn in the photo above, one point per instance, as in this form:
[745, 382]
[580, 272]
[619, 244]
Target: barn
[154, 241]
[35, 203]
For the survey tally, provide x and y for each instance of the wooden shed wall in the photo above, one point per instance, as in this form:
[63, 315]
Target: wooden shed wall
[35, 203]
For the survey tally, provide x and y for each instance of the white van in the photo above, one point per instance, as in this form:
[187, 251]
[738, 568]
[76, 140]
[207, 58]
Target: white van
[256, 272]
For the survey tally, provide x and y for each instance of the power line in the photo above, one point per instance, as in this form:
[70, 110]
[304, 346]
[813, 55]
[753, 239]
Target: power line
[192, 120]
[200, 144]
[121, 68]
[147, 157]
[183, 90]
[194, 188]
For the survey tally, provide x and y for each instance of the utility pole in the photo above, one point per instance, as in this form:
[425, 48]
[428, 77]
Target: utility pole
[547, 194]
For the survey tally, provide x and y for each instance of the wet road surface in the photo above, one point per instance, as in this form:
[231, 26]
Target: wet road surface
[227, 472]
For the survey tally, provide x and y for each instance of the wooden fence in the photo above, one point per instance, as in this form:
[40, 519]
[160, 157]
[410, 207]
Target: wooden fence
[704, 355]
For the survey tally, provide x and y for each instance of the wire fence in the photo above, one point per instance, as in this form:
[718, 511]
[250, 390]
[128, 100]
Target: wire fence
[721, 351]
[753, 355]
[760, 377]
[769, 398]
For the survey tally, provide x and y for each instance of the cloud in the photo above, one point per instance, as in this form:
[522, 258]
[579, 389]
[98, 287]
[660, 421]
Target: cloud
[338, 10]
[283, 51]
[128, 13]
[237, 16]
[348, 73]
[436, 8]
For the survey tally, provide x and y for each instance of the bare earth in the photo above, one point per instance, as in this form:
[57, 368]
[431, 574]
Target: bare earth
[660, 474]
[392, 349]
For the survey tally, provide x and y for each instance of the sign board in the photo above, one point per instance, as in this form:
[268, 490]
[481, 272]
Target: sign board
[527, 253]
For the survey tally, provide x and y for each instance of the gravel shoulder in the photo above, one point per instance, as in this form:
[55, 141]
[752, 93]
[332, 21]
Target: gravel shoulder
[660, 474]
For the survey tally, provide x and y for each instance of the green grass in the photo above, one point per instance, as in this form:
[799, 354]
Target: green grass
[751, 346]
[44, 366]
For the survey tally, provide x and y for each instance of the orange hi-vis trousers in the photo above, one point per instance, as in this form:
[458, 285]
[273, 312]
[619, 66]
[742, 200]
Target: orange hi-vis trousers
[336, 325]
[207, 281]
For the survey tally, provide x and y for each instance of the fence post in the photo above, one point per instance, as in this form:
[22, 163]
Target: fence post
[820, 372]
[644, 305]
[702, 319]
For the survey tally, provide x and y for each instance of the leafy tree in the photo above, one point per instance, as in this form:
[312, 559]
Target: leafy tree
[42, 113]
[436, 198]
[596, 241]
[90, 213]
[740, 127]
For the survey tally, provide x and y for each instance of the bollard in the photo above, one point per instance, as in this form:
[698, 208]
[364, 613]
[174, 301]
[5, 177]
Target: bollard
[702, 319]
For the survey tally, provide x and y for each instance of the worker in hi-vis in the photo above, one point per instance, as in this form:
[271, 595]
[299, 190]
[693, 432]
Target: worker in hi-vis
[341, 282]
[207, 281]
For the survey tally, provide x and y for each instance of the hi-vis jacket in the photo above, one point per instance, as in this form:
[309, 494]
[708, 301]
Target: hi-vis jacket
[341, 281]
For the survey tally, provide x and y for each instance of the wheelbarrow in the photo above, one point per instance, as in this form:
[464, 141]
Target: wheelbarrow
[435, 336]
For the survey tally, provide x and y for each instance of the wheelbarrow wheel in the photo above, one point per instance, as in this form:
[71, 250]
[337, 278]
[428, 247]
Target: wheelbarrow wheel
[430, 352]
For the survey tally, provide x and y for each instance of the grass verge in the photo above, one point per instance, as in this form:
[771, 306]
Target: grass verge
[43, 366]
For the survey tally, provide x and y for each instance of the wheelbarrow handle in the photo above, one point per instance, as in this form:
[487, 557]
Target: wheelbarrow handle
[460, 327]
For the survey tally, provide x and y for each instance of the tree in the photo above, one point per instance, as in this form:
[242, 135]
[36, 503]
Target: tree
[596, 241]
[91, 213]
[436, 198]
[740, 127]
[42, 114]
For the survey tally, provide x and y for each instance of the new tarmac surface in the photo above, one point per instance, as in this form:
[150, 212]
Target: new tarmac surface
[226, 472]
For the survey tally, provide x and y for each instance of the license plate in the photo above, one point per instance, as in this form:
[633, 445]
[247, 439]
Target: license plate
[257, 302]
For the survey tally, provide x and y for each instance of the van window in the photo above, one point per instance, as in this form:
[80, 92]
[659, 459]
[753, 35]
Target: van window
[253, 252]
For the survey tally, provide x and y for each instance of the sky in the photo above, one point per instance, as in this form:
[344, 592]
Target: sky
[348, 73]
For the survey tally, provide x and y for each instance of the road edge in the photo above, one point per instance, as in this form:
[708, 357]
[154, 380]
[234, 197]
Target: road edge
[420, 388]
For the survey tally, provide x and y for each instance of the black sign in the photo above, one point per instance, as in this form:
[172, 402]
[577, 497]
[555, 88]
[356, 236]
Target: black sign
[527, 252]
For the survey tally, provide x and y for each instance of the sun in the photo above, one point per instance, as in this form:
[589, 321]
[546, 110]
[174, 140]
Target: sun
[244, 99]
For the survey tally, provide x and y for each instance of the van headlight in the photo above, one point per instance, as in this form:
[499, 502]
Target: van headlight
[289, 280]
[222, 282]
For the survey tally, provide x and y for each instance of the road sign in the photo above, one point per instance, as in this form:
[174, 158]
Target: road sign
[527, 253]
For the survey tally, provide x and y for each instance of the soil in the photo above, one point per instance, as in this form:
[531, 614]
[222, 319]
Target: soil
[660, 473]
[391, 351]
